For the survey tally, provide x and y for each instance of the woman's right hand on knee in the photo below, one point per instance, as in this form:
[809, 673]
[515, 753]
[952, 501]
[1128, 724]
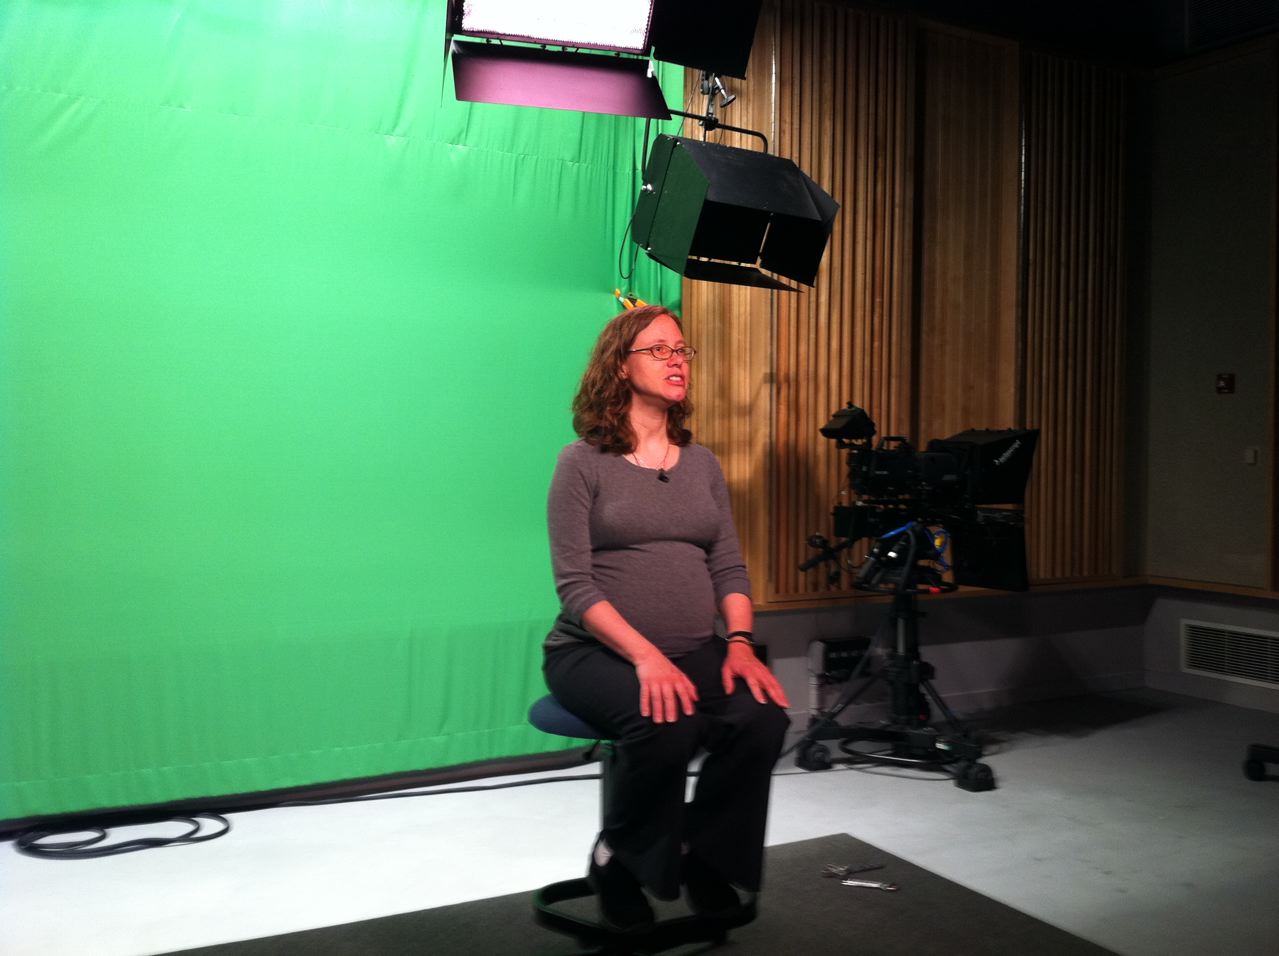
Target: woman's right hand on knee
[665, 690]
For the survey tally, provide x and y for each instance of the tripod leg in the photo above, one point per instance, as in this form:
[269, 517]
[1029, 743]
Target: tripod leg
[812, 755]
[970, 773]
[965, 748]
[951, 719]
[847, 699]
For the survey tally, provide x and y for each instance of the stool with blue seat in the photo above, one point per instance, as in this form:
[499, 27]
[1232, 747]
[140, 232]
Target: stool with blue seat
[550, 716]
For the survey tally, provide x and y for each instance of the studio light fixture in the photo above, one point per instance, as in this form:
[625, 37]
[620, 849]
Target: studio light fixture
[724, 214]
[530, 53]
[619, 25]
[707, 211]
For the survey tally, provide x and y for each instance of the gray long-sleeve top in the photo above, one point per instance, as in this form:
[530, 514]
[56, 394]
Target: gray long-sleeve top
[663, 553]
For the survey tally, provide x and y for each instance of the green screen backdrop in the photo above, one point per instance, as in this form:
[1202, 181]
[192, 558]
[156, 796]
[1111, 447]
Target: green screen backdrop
[287, 342]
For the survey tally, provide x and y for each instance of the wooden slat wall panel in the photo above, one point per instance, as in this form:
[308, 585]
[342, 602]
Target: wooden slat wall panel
[833, 89]
[732, 326]
[1073, 115]
[930, 338]
[970, 158]
[845, 102]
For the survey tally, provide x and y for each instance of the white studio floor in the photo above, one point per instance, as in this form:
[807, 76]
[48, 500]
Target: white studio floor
[1125, 819]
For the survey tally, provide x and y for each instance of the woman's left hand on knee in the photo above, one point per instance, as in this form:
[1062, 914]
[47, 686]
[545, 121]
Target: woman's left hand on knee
[742, 662]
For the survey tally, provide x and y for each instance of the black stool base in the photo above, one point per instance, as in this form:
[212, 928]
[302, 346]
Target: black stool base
[662, 935]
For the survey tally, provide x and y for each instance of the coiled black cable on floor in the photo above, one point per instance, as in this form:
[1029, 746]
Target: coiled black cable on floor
[37, 842]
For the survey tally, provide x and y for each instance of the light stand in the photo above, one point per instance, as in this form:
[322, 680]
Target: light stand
[910, 738]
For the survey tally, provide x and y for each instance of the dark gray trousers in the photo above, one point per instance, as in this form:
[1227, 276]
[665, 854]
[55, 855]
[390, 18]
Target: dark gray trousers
[645, 816]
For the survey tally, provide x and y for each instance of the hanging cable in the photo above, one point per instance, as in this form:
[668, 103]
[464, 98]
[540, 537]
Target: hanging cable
[637, 174]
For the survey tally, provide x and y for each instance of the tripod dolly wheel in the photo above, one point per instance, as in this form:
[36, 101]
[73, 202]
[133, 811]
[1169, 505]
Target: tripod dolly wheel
[813, 756]
[1254, 767]
[974, 777]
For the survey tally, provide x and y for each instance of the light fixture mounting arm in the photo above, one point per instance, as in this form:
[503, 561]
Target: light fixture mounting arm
[709, 120]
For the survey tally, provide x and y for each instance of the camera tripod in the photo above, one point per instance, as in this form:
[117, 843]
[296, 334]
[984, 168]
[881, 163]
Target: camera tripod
[910, 738]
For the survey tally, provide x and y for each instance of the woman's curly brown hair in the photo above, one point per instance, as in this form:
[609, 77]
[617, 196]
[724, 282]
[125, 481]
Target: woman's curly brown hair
[603, 398]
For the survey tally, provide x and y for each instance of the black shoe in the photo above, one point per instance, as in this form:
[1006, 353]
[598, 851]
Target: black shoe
[623, 905]
[709, 894]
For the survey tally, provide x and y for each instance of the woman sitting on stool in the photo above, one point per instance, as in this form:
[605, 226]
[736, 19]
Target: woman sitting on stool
[644, 550]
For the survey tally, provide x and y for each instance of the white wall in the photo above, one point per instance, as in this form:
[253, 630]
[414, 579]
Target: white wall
[1211, 247]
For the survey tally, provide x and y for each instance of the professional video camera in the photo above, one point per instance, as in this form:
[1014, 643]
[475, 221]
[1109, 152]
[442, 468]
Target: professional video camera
[970, 486]
[962, 495]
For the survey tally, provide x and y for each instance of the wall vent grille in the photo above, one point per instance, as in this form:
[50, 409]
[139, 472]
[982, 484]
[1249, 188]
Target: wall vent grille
[1231, 653]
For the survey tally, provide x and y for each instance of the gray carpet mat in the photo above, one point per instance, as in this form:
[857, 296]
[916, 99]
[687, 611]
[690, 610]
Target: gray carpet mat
[801, 912]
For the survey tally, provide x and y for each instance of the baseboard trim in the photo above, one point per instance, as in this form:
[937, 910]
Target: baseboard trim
[1221, 691]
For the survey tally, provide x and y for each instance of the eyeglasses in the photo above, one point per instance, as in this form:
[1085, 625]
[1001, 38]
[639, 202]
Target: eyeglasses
[662, 352]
